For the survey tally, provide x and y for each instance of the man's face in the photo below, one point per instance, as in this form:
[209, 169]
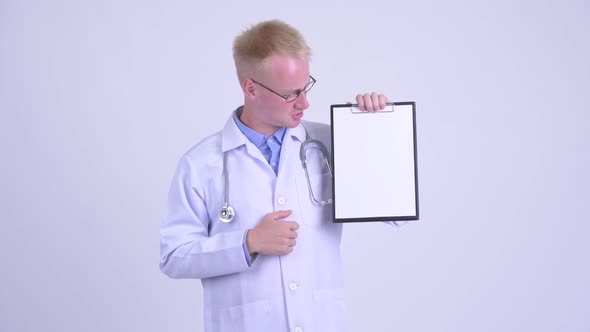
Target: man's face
[284, 75]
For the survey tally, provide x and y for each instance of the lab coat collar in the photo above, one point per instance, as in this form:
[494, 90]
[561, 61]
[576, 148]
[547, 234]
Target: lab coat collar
[297, 132]
[231, 136]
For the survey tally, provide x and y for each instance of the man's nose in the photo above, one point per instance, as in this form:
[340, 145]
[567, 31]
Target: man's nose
[301, 101]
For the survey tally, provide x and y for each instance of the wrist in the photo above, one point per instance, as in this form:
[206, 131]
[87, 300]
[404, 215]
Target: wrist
[250, 242]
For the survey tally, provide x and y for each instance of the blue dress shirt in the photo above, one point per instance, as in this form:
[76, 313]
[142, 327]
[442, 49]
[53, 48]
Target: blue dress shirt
[270, 146]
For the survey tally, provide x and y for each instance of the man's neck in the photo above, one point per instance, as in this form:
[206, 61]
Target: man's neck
[246, 118]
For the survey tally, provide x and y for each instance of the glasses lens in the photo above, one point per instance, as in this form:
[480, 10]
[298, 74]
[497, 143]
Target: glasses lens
[292, 97]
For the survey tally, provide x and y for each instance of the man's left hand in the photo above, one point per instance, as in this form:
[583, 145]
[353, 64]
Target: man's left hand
[371, 102]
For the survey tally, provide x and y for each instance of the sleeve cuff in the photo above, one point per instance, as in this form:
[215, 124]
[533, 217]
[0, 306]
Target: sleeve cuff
[245, 248]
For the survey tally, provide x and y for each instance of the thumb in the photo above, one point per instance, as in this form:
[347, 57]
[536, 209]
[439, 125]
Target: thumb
[281, 214]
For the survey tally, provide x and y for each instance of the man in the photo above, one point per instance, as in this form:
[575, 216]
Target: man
[276, 265]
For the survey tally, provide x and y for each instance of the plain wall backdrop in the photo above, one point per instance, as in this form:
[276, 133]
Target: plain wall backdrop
[99, 99]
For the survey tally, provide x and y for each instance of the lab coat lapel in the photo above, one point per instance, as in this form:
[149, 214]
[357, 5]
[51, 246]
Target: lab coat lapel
[290, 149]
[233, 138]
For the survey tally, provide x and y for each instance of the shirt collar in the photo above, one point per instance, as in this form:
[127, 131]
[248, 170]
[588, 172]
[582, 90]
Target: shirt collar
[255, 137]
[232, 136]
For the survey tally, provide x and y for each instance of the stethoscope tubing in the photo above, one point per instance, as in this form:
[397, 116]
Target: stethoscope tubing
[227, 213]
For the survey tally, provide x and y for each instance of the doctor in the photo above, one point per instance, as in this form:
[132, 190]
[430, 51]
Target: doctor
[275, 266]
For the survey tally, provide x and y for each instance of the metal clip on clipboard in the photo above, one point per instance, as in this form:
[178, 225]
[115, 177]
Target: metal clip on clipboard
[354, 109]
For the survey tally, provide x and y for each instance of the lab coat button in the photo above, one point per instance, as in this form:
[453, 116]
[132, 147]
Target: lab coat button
[281, 200]
[298, 329]
[293, 286]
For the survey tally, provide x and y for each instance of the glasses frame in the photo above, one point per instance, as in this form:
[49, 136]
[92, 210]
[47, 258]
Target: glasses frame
[291, 97]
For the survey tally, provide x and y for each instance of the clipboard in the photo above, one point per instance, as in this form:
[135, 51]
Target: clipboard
[375, 163]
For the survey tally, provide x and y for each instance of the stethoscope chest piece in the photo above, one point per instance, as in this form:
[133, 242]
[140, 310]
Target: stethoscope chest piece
[226, 213]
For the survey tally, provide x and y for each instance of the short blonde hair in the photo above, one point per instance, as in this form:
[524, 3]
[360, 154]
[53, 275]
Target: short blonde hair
[264, 39]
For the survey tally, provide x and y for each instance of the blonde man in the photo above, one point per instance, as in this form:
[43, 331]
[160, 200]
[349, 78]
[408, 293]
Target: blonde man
[239, 215]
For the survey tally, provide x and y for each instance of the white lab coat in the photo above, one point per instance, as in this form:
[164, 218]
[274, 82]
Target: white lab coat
[301, 291]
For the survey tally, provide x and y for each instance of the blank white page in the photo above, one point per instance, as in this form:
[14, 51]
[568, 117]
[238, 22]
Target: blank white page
[374, 163]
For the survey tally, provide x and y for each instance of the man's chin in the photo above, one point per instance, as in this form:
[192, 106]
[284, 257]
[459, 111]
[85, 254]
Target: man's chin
[293, 123]
[295, 120]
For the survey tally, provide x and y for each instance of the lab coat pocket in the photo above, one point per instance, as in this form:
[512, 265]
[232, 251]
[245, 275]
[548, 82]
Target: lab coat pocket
[329, 310]
[253, 316]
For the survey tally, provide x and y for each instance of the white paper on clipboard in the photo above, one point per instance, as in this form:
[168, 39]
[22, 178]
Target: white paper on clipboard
[375, 163]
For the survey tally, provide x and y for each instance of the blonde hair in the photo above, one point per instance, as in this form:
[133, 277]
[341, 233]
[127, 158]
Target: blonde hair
[264, 39]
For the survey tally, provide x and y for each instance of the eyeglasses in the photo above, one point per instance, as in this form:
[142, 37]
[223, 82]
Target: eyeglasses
[291, 97]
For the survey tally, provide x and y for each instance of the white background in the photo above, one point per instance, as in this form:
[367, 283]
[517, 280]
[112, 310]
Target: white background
[99, 99]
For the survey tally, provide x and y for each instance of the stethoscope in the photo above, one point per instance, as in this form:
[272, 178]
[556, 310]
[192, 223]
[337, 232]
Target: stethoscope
[227, 213]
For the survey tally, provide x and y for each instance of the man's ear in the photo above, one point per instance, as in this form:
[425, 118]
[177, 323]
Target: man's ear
[249, 88]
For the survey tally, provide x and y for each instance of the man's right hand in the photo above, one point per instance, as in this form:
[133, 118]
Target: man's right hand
[273, 236]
